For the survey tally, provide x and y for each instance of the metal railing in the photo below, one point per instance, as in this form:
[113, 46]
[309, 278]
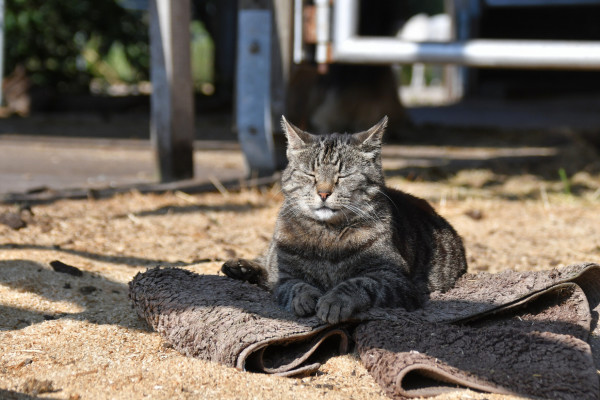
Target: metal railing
[346, 46]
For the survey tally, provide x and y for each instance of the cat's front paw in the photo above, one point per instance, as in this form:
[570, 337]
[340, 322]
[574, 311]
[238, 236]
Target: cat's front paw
[304, 302]
[243, 270]
[334, 308]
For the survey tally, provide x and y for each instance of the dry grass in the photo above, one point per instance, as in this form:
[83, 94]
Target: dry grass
[70, 337]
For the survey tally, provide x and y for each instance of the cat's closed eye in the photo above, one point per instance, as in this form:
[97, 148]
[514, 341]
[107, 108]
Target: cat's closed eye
[304, 174]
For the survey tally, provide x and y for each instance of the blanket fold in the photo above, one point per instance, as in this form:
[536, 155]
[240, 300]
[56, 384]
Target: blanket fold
[231, 322]
[524, 353]
[526, 333]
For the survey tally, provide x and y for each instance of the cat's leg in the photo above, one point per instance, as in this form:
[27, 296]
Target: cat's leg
[246, 270]
[381, 289]
[297, 296]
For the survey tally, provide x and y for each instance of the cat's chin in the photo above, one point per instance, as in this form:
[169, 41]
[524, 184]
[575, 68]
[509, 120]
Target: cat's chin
[325, 214]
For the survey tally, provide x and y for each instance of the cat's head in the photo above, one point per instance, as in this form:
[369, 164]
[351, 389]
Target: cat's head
[333, 177]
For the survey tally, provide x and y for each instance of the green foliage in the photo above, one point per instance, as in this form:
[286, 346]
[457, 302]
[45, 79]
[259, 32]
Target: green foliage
[202, 55]
[63, 44]
[565, 181]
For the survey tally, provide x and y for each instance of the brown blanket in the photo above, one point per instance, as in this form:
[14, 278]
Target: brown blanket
[520, 333]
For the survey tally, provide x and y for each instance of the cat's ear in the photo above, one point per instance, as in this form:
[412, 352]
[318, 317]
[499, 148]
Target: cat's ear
[372, 137]
[296, 137]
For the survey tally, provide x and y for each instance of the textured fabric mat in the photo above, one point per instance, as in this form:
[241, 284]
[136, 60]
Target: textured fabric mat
[525, 333]
[231, 322]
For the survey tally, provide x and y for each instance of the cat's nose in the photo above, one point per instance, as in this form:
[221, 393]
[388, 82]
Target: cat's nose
[324, 195]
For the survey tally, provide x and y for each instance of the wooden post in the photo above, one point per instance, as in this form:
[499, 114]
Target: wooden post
[172, 102]
[263, 62]
[253, 85]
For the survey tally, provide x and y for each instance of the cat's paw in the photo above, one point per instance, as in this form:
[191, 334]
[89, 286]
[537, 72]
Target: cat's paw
[334, 308]
[305, 301]
[243, 270]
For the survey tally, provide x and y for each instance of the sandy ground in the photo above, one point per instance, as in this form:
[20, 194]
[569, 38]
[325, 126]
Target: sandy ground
[69, 337]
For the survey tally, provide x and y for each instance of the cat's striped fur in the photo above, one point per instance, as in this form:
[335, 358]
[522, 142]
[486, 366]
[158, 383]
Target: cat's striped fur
[344, 242]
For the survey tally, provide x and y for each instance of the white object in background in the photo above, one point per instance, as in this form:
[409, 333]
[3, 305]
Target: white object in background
[423, 28]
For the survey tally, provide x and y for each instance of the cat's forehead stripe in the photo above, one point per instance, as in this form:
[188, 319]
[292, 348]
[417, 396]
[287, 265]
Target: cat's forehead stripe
[330, 149]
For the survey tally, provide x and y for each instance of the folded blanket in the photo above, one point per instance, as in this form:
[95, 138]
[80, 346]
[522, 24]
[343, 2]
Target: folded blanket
[537, 351]
[232, 322]
[520, 333]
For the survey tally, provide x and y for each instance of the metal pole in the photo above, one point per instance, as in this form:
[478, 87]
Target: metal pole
[476, 53]
[322, 29]
[345, 21]
[298, 32]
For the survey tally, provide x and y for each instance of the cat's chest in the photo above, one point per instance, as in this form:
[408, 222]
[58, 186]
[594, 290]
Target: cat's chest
[331, 244]
[327, 274]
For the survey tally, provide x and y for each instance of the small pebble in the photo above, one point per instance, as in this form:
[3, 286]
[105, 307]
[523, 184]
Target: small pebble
[12, 220]
[34, 386]
[85, 290]
[475, 214]
[63, 268]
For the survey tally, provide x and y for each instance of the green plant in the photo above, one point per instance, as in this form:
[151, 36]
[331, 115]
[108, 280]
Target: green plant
[202, 55]
[565, 181]
[50, 37]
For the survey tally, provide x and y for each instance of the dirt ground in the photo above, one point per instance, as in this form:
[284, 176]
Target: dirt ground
[70, 337]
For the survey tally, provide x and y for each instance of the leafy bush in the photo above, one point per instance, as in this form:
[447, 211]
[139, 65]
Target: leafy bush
[63, 44]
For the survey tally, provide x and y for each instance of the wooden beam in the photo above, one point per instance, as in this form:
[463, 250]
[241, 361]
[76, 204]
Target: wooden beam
[172, 102]
[253, 85]
[263, 64]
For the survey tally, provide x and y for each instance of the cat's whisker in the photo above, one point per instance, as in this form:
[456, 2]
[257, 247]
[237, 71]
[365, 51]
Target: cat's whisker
[364, 216]
[360, 211]
[373, 216]
[275, 193]
[355, 210]
[290, 212]
[391, 201]
[345, 216]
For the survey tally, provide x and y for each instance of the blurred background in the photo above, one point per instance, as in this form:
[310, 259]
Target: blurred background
[77, 87]
[90, 57]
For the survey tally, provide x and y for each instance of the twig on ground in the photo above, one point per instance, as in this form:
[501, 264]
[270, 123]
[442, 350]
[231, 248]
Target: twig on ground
[222, 189]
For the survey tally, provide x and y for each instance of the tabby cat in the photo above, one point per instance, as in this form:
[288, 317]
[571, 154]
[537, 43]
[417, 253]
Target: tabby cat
[343, 241]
